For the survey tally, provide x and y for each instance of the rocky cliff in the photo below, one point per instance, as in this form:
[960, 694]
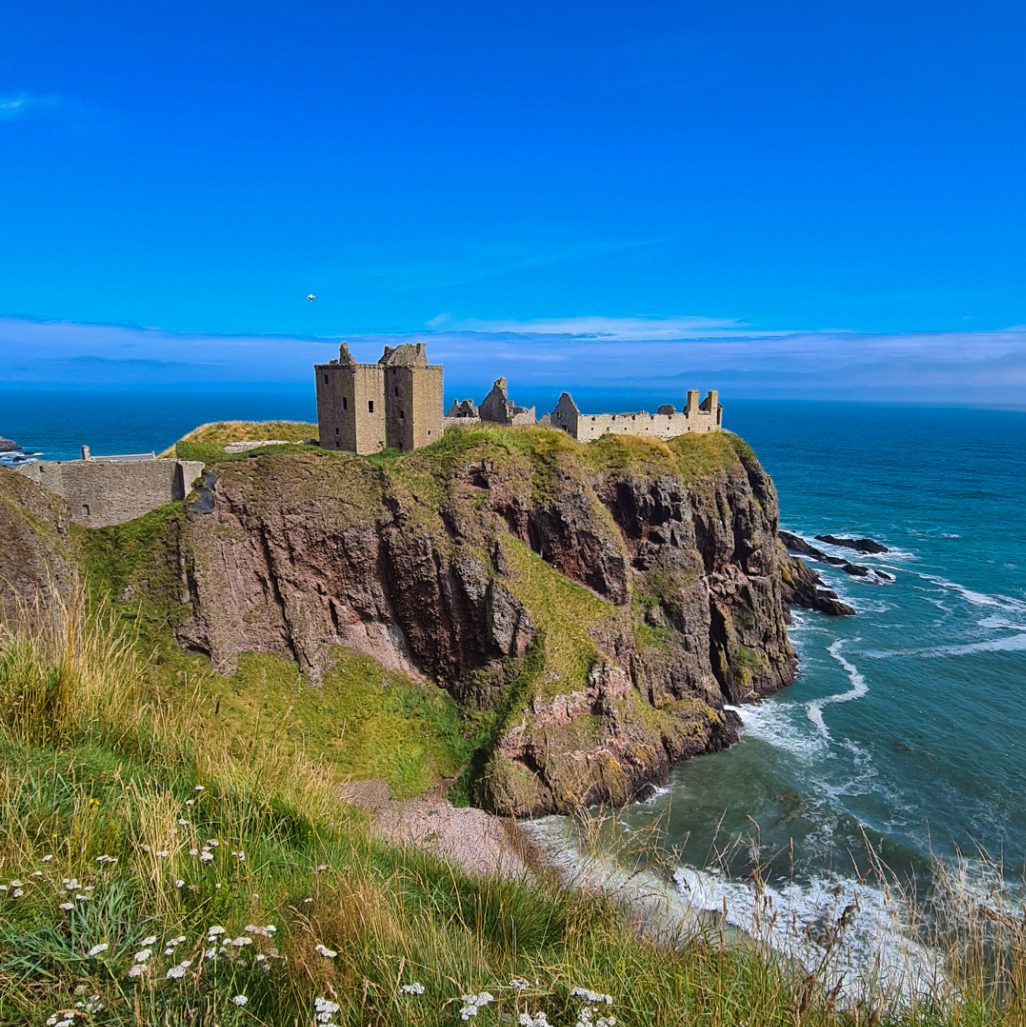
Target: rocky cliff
[601, 604]
[593, 608]
[37, 559]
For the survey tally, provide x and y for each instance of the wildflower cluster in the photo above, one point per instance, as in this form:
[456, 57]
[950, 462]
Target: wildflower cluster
[591, 1000]
[473, 1004]
[324, 1012]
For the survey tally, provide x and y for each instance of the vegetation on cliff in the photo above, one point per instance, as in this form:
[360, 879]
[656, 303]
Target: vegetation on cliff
[158, 866]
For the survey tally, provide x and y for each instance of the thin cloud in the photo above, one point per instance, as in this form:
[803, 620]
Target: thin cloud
[19, 106]
[615, 329]
[663, 357]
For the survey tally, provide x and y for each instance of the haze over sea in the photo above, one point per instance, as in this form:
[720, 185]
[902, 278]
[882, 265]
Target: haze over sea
[904, 723]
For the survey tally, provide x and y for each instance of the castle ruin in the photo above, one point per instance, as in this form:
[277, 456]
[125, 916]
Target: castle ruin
[665, 423]
[495, 408]
[395, 403]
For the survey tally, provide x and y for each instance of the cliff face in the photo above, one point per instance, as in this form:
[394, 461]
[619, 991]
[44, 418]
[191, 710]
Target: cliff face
[599, 604]
[36, 555]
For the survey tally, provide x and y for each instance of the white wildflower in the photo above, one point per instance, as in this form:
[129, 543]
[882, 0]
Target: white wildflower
[48, 858]
[142, 955]
[145, 847]
[593, 998]
[97, 949]
[215, 930]
[17, 893]
[151, 940]
[239, 855]
[199, 788]
[325, 1010]
[36, 873]
[240, 1000]
[412, 989]
[91, 1004]
[82, 896]
[106, 859]
[176, 973]
[179, 883]
[162, 854]
[473, 1004]
[66, 906]
[206, 856]
[538, 1020]
[519, 984]
[137, 970]
[70, 884]
[190, 802]
[323, 950]
[182, 822]
[241, 942]
[212, 843]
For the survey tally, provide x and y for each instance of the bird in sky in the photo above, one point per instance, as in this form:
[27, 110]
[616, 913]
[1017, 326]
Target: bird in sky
[310, 297]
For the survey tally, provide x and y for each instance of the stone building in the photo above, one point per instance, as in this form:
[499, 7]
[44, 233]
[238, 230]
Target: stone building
[102, 491]
[665, 423]
[395, 403]
[495, 408]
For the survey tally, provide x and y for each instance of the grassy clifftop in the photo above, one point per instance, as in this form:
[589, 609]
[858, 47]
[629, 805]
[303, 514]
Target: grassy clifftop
[174, 849]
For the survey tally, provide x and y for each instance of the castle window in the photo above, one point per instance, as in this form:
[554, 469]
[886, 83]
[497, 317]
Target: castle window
[370, 406]
[345, 403]
[85, 509]
[402, 416]
[325, 379]
[397, 390]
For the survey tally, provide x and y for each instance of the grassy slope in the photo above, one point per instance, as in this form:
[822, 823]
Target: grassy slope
[104, 742]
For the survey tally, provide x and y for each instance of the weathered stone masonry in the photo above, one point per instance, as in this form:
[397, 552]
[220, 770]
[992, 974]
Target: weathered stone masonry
[104, 492]
[395, 403]
[665, 423]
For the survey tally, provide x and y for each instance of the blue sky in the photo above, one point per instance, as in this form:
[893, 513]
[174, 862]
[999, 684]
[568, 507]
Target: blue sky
[809, 198]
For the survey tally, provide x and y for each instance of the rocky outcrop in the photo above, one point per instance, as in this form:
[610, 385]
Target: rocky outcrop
[601, 604]
[860, 545]
[36, 554]
[797, 544]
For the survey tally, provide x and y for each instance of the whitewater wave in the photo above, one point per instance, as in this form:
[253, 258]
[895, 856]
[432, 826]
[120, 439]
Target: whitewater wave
[773, 722]
[975, 598]
[859, 688]
[875, 952]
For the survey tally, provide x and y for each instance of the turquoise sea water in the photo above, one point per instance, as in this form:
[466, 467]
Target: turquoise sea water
[906, 725]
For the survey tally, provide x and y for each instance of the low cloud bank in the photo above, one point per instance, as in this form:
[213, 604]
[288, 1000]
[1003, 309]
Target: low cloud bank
[987, 368]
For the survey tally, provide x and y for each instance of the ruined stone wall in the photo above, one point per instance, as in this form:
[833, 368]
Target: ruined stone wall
[655, 426]
[102, 493]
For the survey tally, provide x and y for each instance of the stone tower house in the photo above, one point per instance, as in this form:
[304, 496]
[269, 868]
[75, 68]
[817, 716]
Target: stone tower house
[395, 403]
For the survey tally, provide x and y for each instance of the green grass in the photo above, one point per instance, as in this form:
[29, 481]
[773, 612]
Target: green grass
[565, 611]
[362, 721]
[107, 752]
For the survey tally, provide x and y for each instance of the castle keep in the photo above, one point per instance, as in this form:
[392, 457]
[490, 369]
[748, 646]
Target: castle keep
[395, 403]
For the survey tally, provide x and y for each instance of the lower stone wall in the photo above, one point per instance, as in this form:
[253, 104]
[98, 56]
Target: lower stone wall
[103, 493]
[653, 426]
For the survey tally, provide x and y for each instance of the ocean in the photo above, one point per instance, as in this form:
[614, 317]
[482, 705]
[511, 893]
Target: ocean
[902, 735]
